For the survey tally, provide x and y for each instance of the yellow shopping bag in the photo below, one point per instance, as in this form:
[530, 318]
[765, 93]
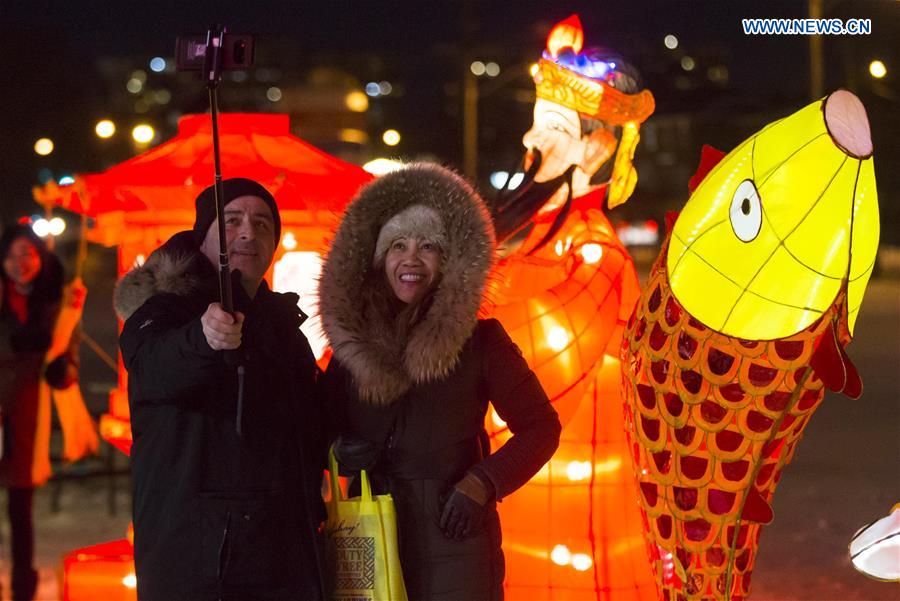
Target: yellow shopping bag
[361, 540]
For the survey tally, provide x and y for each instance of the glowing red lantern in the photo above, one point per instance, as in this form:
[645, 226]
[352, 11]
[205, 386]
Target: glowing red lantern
[564, 295]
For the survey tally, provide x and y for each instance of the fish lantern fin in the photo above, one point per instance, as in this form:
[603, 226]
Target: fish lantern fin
[671, 218]
[832, 365]
[756, 508]
[709, 158]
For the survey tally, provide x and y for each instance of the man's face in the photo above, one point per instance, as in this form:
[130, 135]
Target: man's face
[556, 132]
[250, 239]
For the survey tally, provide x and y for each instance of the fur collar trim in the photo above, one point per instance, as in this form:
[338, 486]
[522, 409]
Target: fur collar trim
[381, 371]
[175, 267]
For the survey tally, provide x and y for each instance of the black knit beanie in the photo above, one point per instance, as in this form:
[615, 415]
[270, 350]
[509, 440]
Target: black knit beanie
[231, 188]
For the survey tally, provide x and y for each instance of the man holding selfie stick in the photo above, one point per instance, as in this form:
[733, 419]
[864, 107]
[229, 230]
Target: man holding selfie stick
[228, 448]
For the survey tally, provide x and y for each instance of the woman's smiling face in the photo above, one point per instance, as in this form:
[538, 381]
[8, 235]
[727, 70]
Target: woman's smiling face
[412, 267]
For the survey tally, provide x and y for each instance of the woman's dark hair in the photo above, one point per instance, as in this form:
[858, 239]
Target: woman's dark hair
[48, 285]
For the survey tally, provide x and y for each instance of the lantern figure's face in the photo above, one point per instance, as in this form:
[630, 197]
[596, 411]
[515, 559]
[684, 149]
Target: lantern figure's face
[250, 239]
[558, 135]
[412, 267]
[22, 262]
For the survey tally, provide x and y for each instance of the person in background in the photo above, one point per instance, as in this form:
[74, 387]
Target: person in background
[414, 369]
[32, 297]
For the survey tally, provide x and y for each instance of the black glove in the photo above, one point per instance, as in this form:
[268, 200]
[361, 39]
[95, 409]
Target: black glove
[356, 454]
[61, 373]
[463, 516]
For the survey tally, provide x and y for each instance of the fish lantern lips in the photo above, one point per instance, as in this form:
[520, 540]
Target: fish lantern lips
[780, 225]
[845, 118]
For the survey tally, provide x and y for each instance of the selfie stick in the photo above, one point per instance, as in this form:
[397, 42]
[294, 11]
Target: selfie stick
[212, 73]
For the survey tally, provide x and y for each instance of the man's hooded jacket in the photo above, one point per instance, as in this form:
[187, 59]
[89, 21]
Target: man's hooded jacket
[217, 513]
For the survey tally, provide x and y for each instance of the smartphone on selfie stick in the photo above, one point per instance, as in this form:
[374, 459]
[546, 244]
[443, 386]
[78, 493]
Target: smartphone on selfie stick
[216, 52]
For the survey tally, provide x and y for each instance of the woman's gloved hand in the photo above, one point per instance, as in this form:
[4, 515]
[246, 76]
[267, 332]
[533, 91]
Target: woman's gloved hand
[356, 454]
[465, 507]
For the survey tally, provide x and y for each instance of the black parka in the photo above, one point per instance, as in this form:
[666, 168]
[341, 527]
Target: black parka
[218, 515]
[434, 434]
[421, 397]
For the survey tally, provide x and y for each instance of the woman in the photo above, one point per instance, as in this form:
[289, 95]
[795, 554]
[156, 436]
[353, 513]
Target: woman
[32, 292]
[413, 371]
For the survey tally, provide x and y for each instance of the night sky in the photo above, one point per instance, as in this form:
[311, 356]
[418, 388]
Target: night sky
[52, 85]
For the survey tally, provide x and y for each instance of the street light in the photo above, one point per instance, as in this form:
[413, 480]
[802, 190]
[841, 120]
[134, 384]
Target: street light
[352, 135]
[43, 146]
[56, 226]
[273, 94]
[142, 133]
[877, 69]
[356, 101]
[671, 42]
[105, 128]
[391, 137]
[471, 95]
[41, 227]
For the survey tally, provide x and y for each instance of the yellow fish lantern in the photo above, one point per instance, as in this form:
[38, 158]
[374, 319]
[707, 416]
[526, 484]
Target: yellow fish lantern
[776, 230]
[739, 331]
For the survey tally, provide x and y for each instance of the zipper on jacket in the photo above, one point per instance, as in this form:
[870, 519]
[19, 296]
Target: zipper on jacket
[222, 558]
[239, 410]
[389, 443]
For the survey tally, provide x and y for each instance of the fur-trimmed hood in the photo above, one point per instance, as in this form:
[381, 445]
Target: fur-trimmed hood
[382, 373]
[176, 267]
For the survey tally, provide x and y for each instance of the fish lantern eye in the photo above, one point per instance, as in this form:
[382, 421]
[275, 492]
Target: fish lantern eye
[746, 211]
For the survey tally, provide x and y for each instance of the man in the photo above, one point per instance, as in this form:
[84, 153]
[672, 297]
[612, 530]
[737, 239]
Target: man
[226, 460]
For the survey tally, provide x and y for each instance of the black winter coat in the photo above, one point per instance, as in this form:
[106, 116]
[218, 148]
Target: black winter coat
[431, 436]
[218, 515]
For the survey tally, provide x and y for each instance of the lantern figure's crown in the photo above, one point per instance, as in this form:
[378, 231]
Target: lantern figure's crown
[592, 82]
